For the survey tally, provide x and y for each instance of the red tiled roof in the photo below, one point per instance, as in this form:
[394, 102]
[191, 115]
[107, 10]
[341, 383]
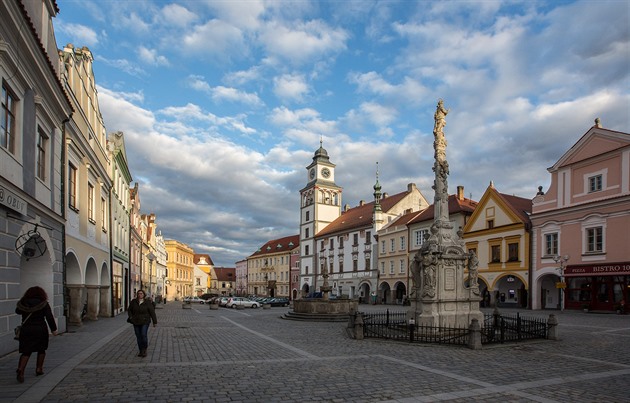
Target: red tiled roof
[520, 205]
[285, 244]
[361, 216]
[455, 205]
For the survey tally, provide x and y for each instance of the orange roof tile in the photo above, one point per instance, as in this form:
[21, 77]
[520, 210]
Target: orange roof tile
[285, 244]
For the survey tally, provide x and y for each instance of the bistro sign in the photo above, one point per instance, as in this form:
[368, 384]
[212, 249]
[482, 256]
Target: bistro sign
[10, 200]
[604, 269]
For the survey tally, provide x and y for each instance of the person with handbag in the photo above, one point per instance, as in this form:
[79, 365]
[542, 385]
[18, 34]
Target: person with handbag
[141, 312]
[37, 317]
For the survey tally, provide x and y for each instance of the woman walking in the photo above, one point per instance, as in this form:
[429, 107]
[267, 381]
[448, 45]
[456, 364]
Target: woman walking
[141, 312]
[37, 317]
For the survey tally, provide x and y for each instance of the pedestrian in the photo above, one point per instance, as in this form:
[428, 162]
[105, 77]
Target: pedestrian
[37, 317]
[141, 312]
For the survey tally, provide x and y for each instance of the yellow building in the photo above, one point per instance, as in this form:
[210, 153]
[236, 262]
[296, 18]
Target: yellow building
[179, 270]
[499, 233]
[268, 269]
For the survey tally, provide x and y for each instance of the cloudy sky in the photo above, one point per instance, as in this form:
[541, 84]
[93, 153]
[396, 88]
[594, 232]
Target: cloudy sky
[223, 103]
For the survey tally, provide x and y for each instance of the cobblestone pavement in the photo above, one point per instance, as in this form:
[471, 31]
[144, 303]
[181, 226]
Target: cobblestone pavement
[252, 355]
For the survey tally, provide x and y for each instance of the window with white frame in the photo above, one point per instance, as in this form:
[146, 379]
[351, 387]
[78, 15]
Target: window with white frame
[594, 240]
[420, 237]
[72, 187]
[104, 213]
[90, 196]
[391, 267]
[403, 243]
[382, 246]
[402, 266]
[595, 183]
[551, 244]
[382, 267]
[392, 245]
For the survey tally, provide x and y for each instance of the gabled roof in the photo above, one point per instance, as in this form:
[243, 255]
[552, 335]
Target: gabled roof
[519, 208]
[596, 141]
[455, 205]
[361, 216]
[225, 273]
[286, 244]
[520, 205]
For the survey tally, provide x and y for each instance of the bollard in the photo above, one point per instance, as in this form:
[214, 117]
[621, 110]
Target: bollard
[358, 326]
[474, 335]
[552, 326]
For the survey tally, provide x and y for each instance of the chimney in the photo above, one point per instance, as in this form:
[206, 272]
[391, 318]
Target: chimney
[346, 208]
[361, 202]
[460, 192]
[411, 187]
[385, 195]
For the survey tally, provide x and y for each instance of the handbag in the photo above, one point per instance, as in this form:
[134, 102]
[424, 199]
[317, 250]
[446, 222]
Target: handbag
[18, 328]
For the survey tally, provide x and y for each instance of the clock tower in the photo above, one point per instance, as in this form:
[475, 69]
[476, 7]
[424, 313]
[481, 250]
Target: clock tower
[320, 204]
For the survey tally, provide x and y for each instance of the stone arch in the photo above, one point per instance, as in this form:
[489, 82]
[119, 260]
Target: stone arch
[305, 289]
[400, 292]
[364, 292]
[73, 287]
[511, 290]
[385, 293]
[105, 292]
[37, 271]
[545, 295]
[92, 284]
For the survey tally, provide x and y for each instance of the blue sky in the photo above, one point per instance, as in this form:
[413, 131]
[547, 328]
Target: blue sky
[223, 103]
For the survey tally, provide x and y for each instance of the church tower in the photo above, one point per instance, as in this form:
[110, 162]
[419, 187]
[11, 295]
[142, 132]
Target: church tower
[320, 204]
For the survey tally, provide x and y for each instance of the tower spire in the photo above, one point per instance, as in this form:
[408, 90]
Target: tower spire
[377, 192]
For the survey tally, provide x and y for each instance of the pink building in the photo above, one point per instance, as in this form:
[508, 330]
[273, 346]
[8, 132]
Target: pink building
[581, 227]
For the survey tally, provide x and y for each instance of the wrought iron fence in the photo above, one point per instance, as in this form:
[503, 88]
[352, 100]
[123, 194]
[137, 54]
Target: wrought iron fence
[497, 328]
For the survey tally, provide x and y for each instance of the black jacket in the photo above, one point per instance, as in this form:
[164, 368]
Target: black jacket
[141, 313]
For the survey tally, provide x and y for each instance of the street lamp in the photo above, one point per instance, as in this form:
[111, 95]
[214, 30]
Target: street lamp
[561, 260]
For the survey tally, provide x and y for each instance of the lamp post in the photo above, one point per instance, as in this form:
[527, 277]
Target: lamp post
[561, 260]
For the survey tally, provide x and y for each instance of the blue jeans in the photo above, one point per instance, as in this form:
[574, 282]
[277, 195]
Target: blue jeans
[142, 336]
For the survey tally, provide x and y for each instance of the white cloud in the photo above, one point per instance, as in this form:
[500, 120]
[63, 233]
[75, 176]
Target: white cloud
[124, 65]
[221, 93]
[80, 35]
[175, 14]
[303, 41]
[290, 87]
[215, 38]
[150, 56]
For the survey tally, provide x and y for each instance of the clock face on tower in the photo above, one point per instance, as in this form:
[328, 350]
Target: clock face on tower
[326, 173]
[312, 173]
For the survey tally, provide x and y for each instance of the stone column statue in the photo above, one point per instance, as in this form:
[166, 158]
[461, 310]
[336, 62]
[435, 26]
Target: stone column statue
[440, 117]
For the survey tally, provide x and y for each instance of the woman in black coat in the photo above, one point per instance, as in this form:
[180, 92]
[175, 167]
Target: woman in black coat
[37, 317]
[141, 312]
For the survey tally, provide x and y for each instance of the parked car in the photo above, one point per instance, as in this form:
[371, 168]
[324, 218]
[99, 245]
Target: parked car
[278, 302]
[194, 300]
[247, 303]
[208, 297]
[223, 301]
